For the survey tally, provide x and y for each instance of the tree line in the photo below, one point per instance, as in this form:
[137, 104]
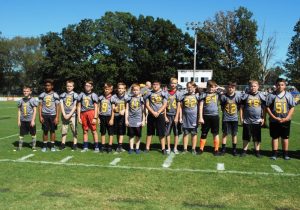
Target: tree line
[122, 47]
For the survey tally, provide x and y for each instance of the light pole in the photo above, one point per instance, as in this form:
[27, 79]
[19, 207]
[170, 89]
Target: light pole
[195, 26]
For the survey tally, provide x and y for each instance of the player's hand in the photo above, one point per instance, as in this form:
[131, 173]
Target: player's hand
[127, 123]
[242, 121]
[155, 114]
[56, 121]
[32, 123]
[122, 112]
[111, 122]
[176, 120]
[180, 120]
[201, 121]
[167, 120]
[143, 123]
[42, 120]
[79, 120]
[94, 121]
[262, 122]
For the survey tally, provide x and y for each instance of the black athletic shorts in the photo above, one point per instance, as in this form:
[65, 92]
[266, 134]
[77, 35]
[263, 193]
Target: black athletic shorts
[280, 130]
[252, 131]
[49, 124]
[171, 125]
[210, 123]
[119, 125]
[104, 125]
[230, 127]
[192, 131]
[25, 128]
[134, 131]
[156, 126]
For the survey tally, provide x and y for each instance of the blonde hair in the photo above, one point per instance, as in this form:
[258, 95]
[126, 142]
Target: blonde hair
[135, 85]
[173, 79]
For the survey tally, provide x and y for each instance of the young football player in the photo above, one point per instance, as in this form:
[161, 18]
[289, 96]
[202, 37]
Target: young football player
[26, 117]
[280, 107]
[134, 118]
[105, 119]
[87, 111]
[156, 102]
[209, 116]
[68, 104]
[118, 102]
[230, 103]
[189, 105]
[252, 114]
[49, 113]
[172, 116]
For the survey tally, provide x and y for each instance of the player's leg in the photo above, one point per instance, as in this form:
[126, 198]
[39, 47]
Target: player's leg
[194, 142]
[224, 136]
[32, 131]
[246, 139]
[138, 135]
[285, 133]
[150, 132]
[215, 132]
[185, 139]
[256, 135]
[64, 131]
[74, 132]
[160, 128]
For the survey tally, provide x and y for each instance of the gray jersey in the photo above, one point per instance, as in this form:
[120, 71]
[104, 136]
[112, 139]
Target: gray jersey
[135, 111]
[105, 106]
[230, 106]
[87, 101]
[189, 110]
[253, 107]
[69, 100]
[172, 102]
[210, 103]
[119, 102]
[157, 99]
[49, 102]
[145, 92]
[280, 105]
[26, 106]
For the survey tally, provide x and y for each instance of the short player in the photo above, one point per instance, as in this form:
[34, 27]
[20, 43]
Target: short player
[134, 118]
[49, 113]
[26, 117]
[87, 111]
[68, 104]
[105, 119]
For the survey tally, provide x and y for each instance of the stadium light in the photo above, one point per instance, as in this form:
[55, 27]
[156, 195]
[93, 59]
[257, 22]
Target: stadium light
[195, 26]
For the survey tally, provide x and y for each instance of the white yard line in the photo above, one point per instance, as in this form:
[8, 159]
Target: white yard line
[169, 160]
[66, 159]
[296, 123]
[277, 168]
[154, 169]
[115, 162]
[220, 167]
[25, 157]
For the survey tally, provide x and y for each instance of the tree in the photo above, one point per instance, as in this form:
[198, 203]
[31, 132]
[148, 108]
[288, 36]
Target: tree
[292, 63]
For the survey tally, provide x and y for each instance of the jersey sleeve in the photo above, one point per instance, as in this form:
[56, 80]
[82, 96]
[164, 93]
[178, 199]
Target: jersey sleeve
[263, 99]
[94, 98]
[290, 100]
[33, 102]
[19, 103]
[75, 96]
[41, 97]
[269, 100]
[113, 99]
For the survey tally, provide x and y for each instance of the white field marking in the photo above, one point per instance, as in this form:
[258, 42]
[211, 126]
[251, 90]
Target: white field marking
[168, 161]
[9, 107]
[66, 159]
[277, 168]
[115, 161]
[25, 157]
[154, 169]
[296, 123]
[220, 167]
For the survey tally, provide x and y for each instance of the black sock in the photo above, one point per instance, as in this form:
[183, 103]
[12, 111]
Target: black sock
[120, 145]
[52, 144]
[63, 145]
[234, 146]
[285, 153]
[223, 146]
[45, 144]
[275, 152]
[256, 151]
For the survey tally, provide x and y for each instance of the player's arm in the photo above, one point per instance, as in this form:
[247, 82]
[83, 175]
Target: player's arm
[57, 107]
[19, 117]
[112, 118]
[143, 115]
[79, 112]
[162, 108]
[201, 120]
[242, 113]
[62, 109]
[289, 116]
[263, 115]
[96, 113]
[40, 113]
[149, 108]
[126, 114]
[177, 115]
[32, 123]
[73, 109]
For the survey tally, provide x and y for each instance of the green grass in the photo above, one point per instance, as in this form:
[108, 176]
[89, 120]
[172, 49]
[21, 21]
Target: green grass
[143, 183]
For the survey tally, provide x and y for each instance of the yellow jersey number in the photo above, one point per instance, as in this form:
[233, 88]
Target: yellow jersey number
[156, 99]
[230, 108]
[68, 101]
[172, 105]
[134, 104]
[120, 107]
[190, 102]
[254, 102]
[48, 101]
[25, 109]
[104, 107]
[210, 99]
[86, 101]
[280, 107]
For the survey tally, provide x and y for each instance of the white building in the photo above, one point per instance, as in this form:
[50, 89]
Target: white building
[201, 77]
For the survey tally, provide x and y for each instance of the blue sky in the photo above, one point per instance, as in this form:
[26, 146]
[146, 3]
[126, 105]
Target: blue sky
[35, 17]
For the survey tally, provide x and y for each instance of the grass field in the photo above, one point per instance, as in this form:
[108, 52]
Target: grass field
[90, 181]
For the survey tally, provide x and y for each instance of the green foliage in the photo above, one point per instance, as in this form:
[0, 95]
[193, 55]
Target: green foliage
[292, 63]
